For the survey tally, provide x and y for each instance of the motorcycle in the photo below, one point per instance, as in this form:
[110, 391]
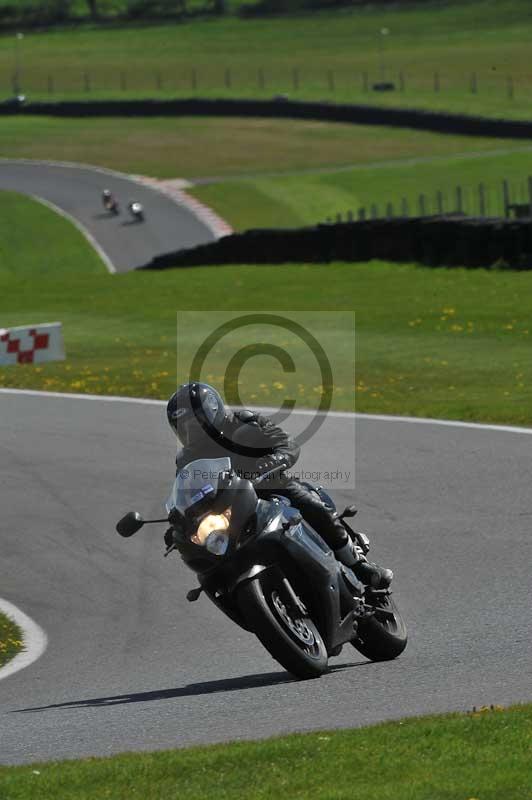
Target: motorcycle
[111, 204]
[263, 566]
[136, 210]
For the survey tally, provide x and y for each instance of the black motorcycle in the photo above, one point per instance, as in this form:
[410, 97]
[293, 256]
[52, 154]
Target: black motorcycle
[271, 573]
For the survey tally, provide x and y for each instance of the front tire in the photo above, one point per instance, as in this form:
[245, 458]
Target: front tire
[383, 636]
[289, 636]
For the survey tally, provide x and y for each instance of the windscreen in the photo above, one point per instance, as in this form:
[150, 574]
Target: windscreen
[197, 481]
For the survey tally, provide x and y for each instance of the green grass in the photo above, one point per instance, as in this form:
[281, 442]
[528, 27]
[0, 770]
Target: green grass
[223, 147]
[35, 242]
[476, 756]
[425, 344]
[490, 37]
[292, 200]
[10, 639]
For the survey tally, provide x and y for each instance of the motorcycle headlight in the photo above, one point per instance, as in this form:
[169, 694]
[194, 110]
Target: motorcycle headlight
[217, 543]
[209, 531]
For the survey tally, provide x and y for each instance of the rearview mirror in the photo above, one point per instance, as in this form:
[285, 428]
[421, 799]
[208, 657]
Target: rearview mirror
[129, 524]
[349, 511]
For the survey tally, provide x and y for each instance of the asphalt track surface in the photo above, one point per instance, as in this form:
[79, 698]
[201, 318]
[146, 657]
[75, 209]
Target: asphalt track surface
[130, 665]
[128, 244]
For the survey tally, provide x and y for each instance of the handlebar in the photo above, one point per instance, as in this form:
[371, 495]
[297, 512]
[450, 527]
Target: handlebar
[264, 477]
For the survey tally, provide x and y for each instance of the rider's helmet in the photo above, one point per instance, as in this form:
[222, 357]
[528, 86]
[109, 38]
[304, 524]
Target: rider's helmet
[196, 409]
[106, 193]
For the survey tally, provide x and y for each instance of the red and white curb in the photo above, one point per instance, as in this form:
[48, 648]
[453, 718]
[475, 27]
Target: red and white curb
[175, 190]
[34, 640]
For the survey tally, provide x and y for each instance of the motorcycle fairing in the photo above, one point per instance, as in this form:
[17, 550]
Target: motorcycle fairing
[333, 604]
[279, 528]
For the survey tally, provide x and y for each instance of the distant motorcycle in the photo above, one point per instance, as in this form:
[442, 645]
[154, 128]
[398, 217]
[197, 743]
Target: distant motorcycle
[261, 564]
[110, 203]
[136, 210]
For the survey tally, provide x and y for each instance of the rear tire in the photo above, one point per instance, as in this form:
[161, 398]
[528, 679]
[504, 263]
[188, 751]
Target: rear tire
[292, 639]
[383, 636]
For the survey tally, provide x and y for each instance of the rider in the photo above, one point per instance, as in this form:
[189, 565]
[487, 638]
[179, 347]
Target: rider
[107, 197]
[206, 428]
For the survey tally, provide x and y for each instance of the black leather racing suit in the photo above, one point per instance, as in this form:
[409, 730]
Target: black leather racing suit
[248, 438]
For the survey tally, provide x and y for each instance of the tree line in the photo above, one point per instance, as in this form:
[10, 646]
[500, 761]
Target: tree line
[48, 12]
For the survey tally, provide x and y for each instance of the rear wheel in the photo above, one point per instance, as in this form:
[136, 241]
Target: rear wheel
[383, 636]
[286, 632]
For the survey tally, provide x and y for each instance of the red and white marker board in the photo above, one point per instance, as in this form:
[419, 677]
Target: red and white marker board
[31, 344]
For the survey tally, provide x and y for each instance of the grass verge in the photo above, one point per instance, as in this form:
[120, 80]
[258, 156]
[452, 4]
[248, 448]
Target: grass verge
[35, 242]
[308, 197]
[192, 147]
[10, 639]
[430, 342]
[483, 755]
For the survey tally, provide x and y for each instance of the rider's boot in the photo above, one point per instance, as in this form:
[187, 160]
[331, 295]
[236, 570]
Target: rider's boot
[368, 573]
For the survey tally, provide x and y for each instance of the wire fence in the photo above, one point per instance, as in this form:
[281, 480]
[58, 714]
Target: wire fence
[272, 78]
[508, 200]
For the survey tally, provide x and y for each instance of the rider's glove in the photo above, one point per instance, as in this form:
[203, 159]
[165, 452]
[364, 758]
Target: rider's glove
[169, 538]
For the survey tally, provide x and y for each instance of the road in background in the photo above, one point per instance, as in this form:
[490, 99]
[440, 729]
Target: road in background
[128, 244]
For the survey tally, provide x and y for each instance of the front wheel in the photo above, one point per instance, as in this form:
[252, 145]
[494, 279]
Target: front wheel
[287, 633]
[383, 636]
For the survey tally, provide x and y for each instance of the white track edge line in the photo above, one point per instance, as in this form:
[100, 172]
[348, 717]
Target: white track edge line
[451, 423]
[81, 228]
[35, 640]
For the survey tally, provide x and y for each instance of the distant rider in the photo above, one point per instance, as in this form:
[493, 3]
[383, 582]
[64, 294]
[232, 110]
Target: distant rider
[206, 428]
[108, 199]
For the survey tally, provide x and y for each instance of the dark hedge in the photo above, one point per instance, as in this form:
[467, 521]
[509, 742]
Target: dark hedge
[294, 109]
[434, 241]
